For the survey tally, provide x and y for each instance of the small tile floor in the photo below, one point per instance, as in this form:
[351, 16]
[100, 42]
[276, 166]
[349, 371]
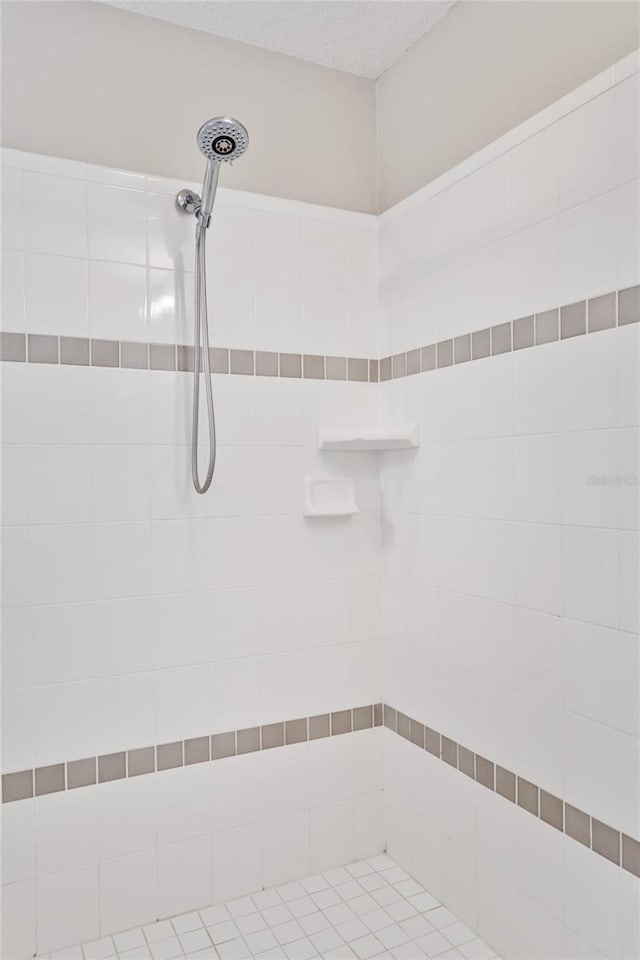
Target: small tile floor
[369, 909]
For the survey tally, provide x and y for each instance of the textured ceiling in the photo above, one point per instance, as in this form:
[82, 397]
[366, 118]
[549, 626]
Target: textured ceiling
[360, 36]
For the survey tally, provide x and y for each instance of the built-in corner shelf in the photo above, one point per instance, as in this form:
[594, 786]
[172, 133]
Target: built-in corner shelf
[330, 497]
[367, 438]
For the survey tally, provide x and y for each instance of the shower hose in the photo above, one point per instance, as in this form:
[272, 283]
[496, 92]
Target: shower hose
[201, 364]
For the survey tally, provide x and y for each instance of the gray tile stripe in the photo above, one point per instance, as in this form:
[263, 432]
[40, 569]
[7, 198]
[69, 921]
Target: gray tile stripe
[603, 312]
[612, 844]
[177, 357]
[57, 777]
[617, 847]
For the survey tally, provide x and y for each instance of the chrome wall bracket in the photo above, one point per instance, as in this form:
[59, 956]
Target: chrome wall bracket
[188, 200]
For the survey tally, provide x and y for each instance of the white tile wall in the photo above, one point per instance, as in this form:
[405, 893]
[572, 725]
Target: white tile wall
[525, 646]
[137, 612]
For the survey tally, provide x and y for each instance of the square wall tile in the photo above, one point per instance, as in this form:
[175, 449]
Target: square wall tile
[81, 773]
[134, 356]
[501, 338]
[546, 326]
[427, 358]
[551, 810]
[481, 344]
[485, 772]
[42, 348]
[605, 841]
[357, 369]
[450, 751]
[141, 761]
[602, 312]
[105, 353]
[523, 333]
[573, 320]
[629, 306]
[319, 726]
[296, 731]
[413, 362]
[313, 366]
[196, 750]
[248, 740]
[528, 796]
[462, 348]
[49, 779]
[74, 350]
[362, 718]
[111, 767]
[272, 736]
[432, 742]
[266, 364]
[506, 784]
[223, 745]
[341, 722]
[577, 825]
[169, 755]
[444, 351]
[17, 786]
[13, 347]
[399, 365]
[290, 365]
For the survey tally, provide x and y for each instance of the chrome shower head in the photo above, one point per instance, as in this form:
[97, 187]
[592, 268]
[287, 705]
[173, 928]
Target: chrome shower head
[222, 139]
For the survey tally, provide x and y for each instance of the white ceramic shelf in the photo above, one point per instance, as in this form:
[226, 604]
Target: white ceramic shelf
[330, 497]
[366, 438]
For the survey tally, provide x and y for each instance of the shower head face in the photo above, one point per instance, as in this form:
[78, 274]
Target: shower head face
[222, 139]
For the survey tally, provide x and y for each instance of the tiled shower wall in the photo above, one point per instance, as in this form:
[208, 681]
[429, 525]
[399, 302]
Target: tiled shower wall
[137, 613]
[510, 537]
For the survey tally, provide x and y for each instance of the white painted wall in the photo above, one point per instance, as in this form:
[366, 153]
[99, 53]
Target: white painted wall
[90, 82]
[483, 69]
[317, 134]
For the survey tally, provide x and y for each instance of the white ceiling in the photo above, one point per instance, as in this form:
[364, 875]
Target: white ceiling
[360, 36]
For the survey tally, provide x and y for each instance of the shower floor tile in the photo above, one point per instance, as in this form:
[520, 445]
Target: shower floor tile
[367, 910]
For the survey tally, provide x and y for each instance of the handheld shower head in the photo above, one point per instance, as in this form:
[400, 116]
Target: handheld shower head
[221, 140]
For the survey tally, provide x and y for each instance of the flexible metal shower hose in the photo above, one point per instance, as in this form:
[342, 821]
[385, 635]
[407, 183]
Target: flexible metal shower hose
[201, 364]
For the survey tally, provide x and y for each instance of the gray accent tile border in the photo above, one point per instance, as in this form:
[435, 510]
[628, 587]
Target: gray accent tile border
[24, 784]
[606, 311]
[602, 839]
[606, 841]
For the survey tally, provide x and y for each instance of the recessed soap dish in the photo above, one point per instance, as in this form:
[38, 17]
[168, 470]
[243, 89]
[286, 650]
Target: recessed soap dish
[330, 497]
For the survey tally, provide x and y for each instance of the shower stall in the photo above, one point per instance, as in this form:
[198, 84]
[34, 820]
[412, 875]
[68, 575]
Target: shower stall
[350, 669]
